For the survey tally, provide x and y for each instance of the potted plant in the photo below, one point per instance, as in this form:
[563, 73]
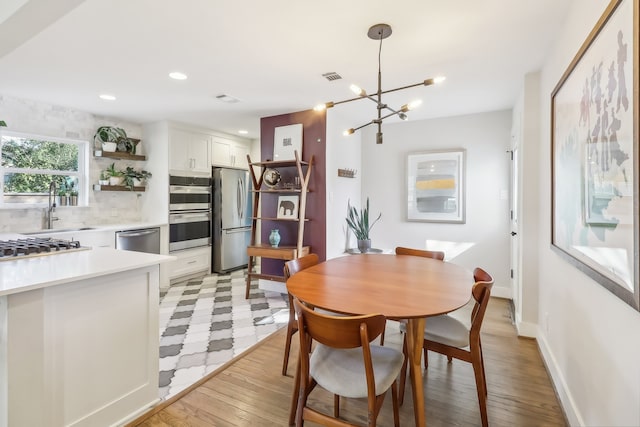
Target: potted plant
[111, 138]
[73, 198]
[116, 177]
[134, 178]
[63, 195]
[3, 123]
[104, 178]
[358, 222]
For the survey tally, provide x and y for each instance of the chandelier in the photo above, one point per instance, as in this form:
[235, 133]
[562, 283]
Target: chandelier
[380, 32]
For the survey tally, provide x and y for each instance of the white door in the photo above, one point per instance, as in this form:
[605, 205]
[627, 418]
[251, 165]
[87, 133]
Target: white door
[516, 283]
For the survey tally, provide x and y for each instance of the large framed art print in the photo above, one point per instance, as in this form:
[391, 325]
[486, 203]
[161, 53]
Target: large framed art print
[594, 149]
[436, 186]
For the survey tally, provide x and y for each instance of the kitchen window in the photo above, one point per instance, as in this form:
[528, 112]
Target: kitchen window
[30, 163]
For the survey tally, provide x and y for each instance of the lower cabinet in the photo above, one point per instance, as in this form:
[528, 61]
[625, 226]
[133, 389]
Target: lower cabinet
[190, 262]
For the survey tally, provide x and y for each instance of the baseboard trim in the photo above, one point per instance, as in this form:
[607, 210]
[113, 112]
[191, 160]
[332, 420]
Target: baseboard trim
[559, 384]
[527, 329]
[501, 292]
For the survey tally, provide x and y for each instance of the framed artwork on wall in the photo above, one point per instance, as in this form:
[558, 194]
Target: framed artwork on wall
[287, 140]
[436, 186]
[288, 207]
[594, 150]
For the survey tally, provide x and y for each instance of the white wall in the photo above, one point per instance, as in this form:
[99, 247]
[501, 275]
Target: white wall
[590, 341]
[342, 153]
[26, 116]
[486, 139]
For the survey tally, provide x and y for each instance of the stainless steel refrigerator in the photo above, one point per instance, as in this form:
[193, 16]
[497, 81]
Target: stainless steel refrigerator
[231, 218]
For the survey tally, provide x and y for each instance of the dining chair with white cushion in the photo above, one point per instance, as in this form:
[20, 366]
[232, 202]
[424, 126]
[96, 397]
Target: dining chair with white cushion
[344, 363]
[448, 336]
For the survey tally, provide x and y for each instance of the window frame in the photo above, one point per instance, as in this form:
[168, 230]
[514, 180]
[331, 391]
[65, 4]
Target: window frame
[82, 174]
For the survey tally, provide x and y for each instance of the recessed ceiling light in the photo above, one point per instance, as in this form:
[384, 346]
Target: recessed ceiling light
[176, 75]
[107, 97]
[243, 132]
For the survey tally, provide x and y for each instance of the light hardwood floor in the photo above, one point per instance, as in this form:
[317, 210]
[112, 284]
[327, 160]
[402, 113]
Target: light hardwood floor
[250, 390]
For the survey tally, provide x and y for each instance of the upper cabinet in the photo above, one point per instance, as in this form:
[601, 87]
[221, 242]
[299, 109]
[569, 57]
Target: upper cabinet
[189, 151]
[226, 152]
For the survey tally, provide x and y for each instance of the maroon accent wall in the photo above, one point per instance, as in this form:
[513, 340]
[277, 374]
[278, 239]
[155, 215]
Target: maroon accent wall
[313, 143]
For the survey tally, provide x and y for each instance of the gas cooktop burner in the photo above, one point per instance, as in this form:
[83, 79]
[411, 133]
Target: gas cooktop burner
[19, 248]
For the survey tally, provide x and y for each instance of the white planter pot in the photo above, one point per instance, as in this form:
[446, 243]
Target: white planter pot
[109, 146]
[116, 180]
[103, 181]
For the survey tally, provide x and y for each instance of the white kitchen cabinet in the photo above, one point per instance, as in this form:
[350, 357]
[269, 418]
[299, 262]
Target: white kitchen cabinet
[62, 345]
[189, 152]
[190, 261]
[226, 152]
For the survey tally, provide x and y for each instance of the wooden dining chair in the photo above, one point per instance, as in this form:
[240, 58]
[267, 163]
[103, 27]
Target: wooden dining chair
[447, 335]
[420, 252]
[415, 252]
[344, 363]
[290, 268]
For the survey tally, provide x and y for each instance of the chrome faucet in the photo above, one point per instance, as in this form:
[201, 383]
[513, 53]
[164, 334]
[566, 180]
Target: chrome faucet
[52, 204]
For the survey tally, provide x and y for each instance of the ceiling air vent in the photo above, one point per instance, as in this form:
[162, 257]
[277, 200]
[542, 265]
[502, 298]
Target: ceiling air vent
[332, 76]
[227, 98]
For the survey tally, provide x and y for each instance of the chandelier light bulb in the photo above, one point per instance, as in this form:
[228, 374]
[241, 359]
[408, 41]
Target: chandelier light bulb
[439, 79]
[348, 132]
[320, 107]
[414, 104]
[357, 90]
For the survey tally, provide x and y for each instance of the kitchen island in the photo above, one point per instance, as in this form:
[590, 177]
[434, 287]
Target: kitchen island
[78, 337]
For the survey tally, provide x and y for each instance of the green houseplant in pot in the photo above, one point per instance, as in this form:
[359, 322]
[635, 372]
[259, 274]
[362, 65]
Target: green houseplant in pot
[111, 138]
[116, 177]
[135, 178]
[358, 222]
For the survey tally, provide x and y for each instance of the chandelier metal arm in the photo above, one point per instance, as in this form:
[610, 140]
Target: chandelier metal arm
[427, 82]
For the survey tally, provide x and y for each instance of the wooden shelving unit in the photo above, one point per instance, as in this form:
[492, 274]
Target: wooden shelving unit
[98, 187]
[282, 252]
[120, 155]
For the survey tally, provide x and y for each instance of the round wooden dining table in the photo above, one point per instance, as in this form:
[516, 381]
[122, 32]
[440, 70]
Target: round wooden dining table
[397, 286]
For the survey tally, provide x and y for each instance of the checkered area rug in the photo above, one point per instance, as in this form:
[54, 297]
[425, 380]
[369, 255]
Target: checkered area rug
[205, 322]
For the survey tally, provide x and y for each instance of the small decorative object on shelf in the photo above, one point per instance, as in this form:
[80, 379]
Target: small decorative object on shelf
[271, 177]
[3, 123]
[347, 173]
[274, 238]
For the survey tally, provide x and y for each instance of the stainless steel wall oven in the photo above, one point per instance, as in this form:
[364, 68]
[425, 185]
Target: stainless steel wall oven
[189, 212]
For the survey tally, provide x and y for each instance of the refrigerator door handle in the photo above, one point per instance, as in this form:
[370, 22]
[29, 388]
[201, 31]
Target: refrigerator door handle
[240, 199]
[237, 230]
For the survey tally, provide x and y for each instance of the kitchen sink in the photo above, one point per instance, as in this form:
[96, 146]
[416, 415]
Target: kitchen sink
[59, 230]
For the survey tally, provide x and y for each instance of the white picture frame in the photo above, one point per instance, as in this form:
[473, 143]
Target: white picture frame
[287, 140]
[436, 186]
[288, 207]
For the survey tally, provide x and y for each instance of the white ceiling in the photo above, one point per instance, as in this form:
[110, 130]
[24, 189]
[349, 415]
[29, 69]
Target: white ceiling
[271, 55]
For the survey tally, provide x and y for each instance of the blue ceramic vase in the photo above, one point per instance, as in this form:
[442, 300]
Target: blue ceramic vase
[274, 238]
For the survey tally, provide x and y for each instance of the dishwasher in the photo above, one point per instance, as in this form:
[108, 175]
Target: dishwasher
[141, 240]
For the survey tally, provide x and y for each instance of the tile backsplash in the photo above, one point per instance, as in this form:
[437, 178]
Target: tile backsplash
[28, 116]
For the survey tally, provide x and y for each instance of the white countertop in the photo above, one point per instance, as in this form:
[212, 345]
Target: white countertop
[85, 228]
[43, 271]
